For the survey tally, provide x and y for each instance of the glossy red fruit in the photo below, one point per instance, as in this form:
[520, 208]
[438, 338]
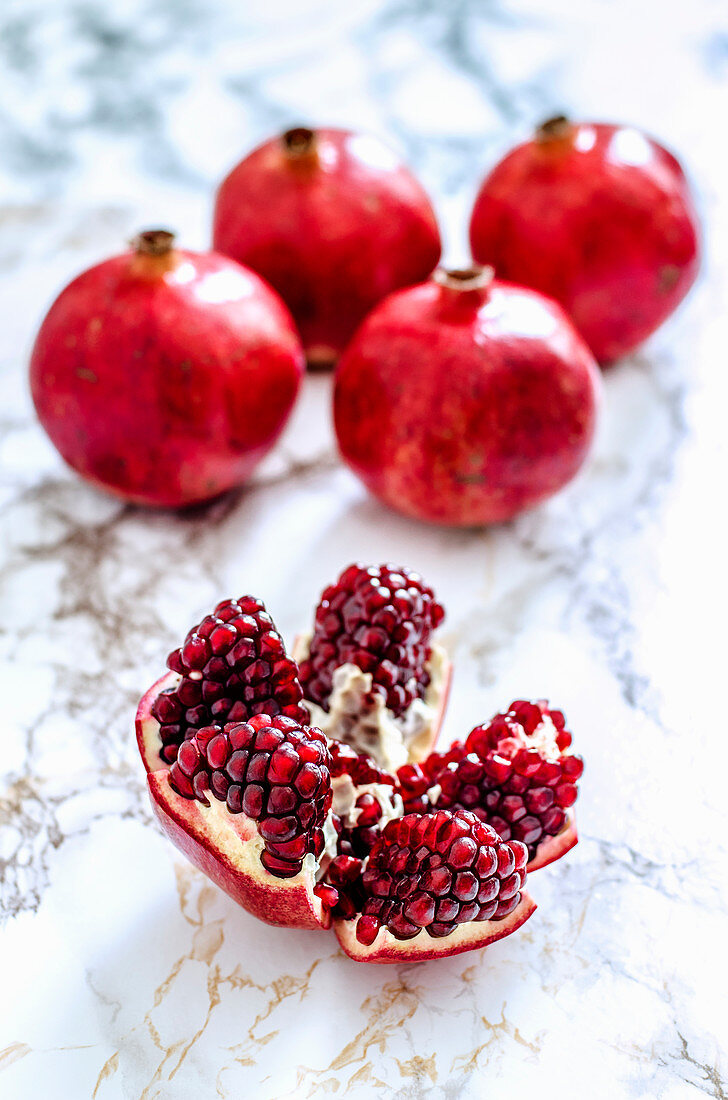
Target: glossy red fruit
[465, 400]
[334, 221]
[598, 217]
[165, 375]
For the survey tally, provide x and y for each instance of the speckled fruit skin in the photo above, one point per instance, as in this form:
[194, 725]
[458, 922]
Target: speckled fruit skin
[333, 222]
[463, 402]
[165, 378]
[600, 218]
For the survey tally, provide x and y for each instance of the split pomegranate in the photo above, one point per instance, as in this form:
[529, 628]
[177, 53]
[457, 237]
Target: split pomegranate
[165, 375]
[517, 773]
[370, 672]
[599, 217]
[334, 221]
[303, 831]
[465, 400]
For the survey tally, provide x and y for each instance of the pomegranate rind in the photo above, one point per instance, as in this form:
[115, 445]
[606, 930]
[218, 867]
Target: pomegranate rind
[225, 847]
[556, 846]
[466, 937]
[422, 745]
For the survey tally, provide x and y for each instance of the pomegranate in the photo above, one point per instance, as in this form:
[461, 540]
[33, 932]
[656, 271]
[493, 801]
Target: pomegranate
[165, 375]
[516, 773]
[303, 831]
[370, 672]
[465, 400]
[334, 221]
[600, 218]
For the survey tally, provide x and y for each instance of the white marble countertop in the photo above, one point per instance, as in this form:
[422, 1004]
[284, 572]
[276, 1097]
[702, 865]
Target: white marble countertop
[124, 972]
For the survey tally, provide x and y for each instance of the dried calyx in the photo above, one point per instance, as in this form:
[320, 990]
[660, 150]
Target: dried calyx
[153, 242]
[299, 141]
[477, 277]
[554, 129]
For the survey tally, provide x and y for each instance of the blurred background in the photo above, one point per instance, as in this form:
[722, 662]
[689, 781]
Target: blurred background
[134, 978]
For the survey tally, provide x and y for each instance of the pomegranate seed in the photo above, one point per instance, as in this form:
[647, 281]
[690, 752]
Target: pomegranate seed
[367, 929]
[328, 895]
[369, 810]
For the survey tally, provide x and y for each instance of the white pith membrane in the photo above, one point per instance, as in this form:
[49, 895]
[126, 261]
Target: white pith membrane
[362, 720]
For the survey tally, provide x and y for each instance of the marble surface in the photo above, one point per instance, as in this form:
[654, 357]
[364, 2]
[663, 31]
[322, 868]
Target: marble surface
[124, 972]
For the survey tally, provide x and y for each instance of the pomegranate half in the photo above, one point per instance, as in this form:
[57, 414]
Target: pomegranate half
[465, 400]
[599, 217]
[334, 221]
[165, 375]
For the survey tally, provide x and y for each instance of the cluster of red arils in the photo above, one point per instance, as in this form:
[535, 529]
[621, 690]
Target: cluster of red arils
[304, 830]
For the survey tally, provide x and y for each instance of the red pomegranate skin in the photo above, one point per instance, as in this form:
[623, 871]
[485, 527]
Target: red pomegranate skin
[334, 226]
[465, 406]
[599, 217]
[166, 378]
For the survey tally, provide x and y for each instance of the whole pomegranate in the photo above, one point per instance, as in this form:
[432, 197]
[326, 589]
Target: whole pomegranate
[334, 221]
[465, 400]
[165, 375]
[598, 217]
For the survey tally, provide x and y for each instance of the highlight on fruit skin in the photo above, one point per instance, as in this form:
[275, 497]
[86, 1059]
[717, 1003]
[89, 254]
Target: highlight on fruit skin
[371, 671]
[333, 220]
[599, 217]
[516, 772]
[163, 375]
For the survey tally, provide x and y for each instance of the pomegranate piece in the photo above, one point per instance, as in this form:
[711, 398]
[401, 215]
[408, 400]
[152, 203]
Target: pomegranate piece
[232, 665]
[226, 843]
[273, 770]
[465, 400]
[517, 773]
[164, 375]
[331, 219]
[370, 671]
[599, 217]
[441, 883]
